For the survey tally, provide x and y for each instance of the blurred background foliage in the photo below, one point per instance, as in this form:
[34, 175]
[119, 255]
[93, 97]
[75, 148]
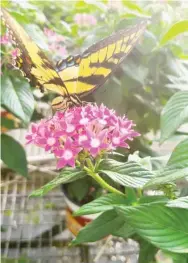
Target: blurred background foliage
[151, 74]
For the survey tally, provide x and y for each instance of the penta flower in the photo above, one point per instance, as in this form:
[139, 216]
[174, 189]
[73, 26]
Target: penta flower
[91, 129]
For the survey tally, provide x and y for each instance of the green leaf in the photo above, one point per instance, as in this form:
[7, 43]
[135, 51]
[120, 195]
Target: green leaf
[67, 175]
[176, 167]
[130, 174]
[5, 3]
[135, 72]
[107, 223]
[177, 258]
[181, 202]
[133, 6]
[37, 35]
[17, 97]
[177, 82]
[7, 123]
[179, 156]
[13, 155]
[164, 227]
[147, 252]
[20, 17]
[167, 176]
[125, 231]
[78, 189]
[102, 204]
[176, 29]
[145, 199]
[66, 26]
[174, 114]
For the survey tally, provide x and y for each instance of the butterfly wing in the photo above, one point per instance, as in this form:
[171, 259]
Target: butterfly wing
[31, 60]
[83, 74]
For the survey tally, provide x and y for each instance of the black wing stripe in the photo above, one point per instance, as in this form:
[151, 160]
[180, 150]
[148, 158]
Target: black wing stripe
[88, 80]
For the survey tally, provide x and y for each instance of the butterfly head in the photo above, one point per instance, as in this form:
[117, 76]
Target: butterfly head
[62, 103]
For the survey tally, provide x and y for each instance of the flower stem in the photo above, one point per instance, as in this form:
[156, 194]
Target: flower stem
[100, 180]
[102, 183]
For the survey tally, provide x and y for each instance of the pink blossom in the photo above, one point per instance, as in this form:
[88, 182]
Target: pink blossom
[4, 40]
[91, 128]
[67, 154]
[48, 32]
[85, 20]
[15, 52]
[55, 42]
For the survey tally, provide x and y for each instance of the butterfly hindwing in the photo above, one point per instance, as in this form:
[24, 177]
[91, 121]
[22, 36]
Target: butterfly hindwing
[31, 60]
[82, 74]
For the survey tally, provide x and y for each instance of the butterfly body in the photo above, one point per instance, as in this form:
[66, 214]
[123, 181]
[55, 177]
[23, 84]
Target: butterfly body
[75, 76]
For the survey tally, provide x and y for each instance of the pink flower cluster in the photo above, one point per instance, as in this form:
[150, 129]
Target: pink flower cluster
[91, 128]
[6, 41]
[85, 20]
[55, 42]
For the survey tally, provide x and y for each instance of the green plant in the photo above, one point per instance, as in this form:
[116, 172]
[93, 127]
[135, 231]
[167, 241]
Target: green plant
[140, 87]
[155, 72]
[157, 221]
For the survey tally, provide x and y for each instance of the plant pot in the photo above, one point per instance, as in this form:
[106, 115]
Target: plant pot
[74, 224]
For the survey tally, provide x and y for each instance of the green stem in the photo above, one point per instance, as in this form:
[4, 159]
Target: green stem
[100, 181]
[103, 183]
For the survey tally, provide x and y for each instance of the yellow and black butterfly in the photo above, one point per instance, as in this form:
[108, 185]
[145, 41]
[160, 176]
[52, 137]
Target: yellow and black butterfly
[75, 76]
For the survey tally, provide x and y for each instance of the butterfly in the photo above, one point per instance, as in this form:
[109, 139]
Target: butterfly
[75, 76]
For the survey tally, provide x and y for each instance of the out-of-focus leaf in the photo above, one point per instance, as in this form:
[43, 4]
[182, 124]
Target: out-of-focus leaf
[17, 97]
[6, 123]
[13, 155]
[133, 6]
[181, 202]
[67, 175]
[178, 83]
[137, 73]
[20, 17]
[5, 3]
[97, 4]
[176, 29]
[66, 26]
[37, 36]
[177, 258]
[174, 114]
[179, 156]
[166, 176]
[110, 95]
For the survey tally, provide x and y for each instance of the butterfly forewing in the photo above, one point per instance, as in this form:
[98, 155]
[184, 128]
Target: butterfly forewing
[31, 60]
[90, 70]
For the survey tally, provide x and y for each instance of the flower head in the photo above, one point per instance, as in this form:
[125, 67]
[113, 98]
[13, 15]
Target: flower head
[15, 53]
[5, 40]
[85, 20]
[55, 42]
[92, 129]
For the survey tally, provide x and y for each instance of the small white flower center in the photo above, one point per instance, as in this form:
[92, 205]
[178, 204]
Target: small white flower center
[123, 130]
[84, 121]
[51, 141]
[67, 155]
[82, 138]
[116, 140]
[95, 143]
[70, 128]
[102, 121]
